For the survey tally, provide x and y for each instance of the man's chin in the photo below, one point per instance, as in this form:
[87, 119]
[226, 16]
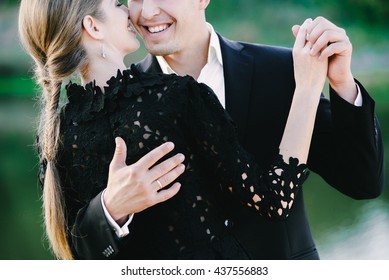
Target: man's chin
[158, 50]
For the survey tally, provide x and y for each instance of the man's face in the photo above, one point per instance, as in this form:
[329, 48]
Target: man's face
[167, 26]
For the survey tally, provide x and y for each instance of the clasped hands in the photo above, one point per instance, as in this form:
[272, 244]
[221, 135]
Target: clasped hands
[330, 42]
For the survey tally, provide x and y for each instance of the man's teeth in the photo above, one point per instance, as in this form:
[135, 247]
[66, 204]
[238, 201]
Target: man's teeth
[156, 29]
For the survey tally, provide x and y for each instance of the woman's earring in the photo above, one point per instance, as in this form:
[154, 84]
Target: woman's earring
[103, 51]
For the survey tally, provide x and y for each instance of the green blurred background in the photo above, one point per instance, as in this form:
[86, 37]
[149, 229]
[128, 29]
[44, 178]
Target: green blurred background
[343, 228]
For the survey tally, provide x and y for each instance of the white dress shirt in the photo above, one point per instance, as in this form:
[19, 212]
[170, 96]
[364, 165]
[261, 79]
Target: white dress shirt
[212, 73]
[120, 231]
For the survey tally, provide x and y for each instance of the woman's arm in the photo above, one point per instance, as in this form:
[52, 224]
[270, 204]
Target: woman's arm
[269, 190]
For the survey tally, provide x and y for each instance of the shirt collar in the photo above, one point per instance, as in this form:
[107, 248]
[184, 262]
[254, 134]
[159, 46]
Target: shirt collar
[214, 52]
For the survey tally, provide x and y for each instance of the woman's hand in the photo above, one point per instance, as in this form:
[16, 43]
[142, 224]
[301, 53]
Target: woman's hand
[310, 71]
[133, 188]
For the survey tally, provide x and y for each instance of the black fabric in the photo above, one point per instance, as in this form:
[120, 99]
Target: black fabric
[147, 110]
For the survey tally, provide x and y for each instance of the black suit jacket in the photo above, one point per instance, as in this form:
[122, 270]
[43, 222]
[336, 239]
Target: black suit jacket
[346, 150]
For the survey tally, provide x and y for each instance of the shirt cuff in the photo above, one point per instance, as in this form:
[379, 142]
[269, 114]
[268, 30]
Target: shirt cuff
[358, 101]
[119, 231]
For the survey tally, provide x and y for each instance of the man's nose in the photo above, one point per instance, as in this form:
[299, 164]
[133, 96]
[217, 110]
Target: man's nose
[150, 9]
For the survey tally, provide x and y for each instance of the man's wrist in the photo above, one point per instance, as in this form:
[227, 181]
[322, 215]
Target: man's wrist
[120, 227]
[347, 90]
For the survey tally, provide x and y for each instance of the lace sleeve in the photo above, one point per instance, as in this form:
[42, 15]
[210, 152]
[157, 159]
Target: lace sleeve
[272, 191]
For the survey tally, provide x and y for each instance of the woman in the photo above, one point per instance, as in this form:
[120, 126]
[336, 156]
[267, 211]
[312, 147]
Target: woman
[143, 114]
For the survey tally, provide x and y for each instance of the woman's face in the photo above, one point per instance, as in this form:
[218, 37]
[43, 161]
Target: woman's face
[118, 36]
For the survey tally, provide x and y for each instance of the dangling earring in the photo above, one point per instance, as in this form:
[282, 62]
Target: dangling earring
[103, 51]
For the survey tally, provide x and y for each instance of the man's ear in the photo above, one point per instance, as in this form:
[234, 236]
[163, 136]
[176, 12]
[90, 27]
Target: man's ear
[203, 4]
[93, 27]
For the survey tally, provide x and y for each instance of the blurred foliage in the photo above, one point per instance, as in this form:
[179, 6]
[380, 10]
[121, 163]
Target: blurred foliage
[366, 11]
[16, 85]
[20, 204]
[265, 21]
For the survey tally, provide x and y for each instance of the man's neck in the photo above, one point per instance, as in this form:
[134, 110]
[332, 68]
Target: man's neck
[191, 60]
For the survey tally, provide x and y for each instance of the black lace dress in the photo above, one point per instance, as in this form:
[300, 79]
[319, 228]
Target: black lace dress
[147, 110]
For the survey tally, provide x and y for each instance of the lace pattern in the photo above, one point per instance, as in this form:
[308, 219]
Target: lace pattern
[271, 192]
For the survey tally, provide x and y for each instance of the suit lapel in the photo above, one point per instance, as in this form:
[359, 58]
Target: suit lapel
[238, 72]
[149, 64]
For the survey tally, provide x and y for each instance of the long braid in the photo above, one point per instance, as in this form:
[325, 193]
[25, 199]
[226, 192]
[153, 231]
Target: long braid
[51, 32]
[53, 201]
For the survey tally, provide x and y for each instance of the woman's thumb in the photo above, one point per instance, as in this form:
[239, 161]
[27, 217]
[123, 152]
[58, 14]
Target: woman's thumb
[295, 29]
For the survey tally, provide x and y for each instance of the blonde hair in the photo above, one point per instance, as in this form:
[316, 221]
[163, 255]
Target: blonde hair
[50, 31]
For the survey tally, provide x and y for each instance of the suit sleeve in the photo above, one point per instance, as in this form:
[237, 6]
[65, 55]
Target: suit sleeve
[347, 146]
[92, 236]
[270, 191]
[83, 161]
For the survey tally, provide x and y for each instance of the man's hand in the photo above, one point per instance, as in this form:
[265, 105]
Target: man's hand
[133, 188]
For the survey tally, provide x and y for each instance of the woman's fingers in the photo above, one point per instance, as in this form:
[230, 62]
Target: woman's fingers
[302, 35]
[309, 71]
[295, 29]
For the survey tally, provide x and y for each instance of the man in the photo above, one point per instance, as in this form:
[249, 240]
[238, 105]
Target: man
[255, 84]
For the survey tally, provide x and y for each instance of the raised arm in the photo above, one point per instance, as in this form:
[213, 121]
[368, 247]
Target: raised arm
[348, 151]
[272, 189]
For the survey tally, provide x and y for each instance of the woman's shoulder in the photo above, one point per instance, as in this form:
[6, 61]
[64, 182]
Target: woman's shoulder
[91, 104]
[83, 117]
[127, 83]
[157, 79]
